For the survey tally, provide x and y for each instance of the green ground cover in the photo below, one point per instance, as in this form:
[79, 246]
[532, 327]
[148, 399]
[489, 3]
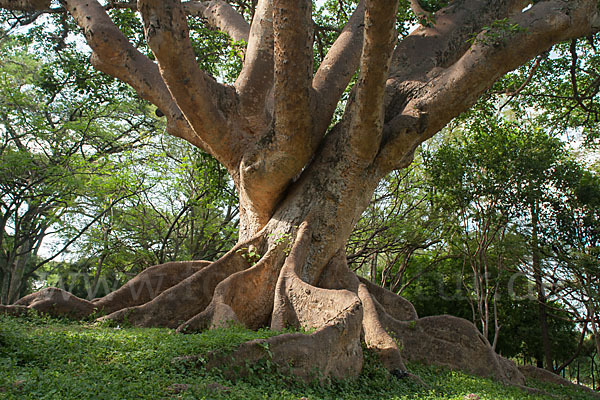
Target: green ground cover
[43, 358]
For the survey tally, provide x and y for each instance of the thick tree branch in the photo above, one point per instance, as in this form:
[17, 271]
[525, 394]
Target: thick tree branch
[208, 106]
[221, 15]
[293, 28]
[113, 54]
[337, 69]
[284, 150]
[446, 92]
[418, 10]
[25, 5]
[256, 79]
[546, 24]
[367, 110]
[426, 51]
[440, 45]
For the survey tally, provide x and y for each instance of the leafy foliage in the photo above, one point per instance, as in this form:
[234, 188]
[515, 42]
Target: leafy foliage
[84, 169]
[456, 233]
[58, 136]
[559, 90]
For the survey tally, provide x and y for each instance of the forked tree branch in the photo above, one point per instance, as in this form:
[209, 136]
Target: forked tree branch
[420, 56]
[338, 68]
[221, 15]
[544, 25]
[418, 10]
[440, 45]
[113, 54]
[456, 88]
[281, 152]
[199, 96]
[367, 112]
[256, 78]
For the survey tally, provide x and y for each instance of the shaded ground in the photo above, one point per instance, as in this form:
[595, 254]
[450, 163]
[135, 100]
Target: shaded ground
[44, 358]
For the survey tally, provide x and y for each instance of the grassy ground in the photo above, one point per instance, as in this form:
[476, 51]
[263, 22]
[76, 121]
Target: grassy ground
[44, 358]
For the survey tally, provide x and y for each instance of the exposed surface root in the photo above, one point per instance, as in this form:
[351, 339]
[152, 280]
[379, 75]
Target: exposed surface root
[341, 308]
[245, 297]
[330, 351]
[376, 338]
[162, 295]
[141, 289]
[13, 310]
[452, 342]
[374, 334]
[442, 340]
[334, 349]
[543, 375]
[394, 305]
[300, 304]
[57, 302]
[189, 297]
[148, 284]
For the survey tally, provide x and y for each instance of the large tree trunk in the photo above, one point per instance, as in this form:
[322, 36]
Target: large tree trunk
[293, 273]
[303, 186]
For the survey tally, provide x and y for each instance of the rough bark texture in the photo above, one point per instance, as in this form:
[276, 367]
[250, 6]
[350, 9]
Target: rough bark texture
[529, 371]
[302, 185]
[454, 343]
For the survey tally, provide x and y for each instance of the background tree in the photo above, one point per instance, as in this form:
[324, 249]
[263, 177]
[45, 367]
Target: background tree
[401, 222]
[57, 133]
[185, 210]
[473, 177]
[575, 243]
[497, 176]
[79, 158]
[481, 179]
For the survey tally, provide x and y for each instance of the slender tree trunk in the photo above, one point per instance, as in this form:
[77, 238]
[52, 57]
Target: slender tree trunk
[18, 271]
[5, 286]
[592, 367]
[106, 227]
[94, 289]
[560, 369]
[496, 321]
[595, 334]
[539, 285]
[16, 279]
[373, 271]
